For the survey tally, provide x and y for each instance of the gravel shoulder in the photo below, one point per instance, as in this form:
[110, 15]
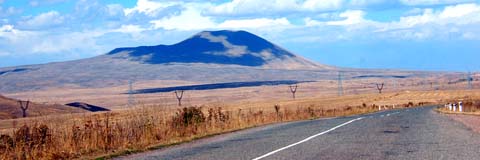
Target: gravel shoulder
[471, 121]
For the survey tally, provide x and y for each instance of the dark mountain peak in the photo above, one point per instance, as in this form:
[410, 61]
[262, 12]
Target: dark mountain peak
[218, 47]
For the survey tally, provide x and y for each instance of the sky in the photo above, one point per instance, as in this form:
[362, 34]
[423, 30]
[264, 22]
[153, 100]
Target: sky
[439, 35]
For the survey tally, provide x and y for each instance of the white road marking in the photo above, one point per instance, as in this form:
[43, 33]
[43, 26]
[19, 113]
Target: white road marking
[307, 139]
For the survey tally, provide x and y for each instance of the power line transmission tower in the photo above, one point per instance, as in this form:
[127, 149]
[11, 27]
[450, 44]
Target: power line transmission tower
[469, 79]
[179, 95]
[380, 87]
[293, 90]
[131, 100]
[24, 107]
[340, 84]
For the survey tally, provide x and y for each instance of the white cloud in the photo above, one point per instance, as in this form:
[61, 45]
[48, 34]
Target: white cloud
[351, 17]
[10, 33]
[246, 7]
[323, 5]
[66, 43]
[274, 7]
[129, 29]
[48, 19]
[6, 28]
[36, 3]
[255, 23]
[148, 7]
[432, 2]
[43, 42]
[189, 19]
[277, 20]
[363, 3]
[460, 10]
[461, 14]
[456, 21]
[192, 19]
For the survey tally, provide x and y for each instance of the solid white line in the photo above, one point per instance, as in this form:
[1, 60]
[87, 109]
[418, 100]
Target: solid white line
[307, 139]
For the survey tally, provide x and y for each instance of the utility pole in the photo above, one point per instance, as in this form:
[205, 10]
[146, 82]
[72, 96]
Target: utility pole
[340, 84]
[24, 107]
[293, 89]
[380, 87]
[179, 95]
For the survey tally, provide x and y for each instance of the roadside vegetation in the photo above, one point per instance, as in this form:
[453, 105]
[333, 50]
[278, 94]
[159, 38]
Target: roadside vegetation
[469, 107]
[105, 134]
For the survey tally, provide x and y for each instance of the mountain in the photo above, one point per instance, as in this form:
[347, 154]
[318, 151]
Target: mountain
[208, 57]
[219, 47]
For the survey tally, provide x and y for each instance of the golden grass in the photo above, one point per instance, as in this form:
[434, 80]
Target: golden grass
[114, 97]
[87, 135]
[140, 128]
[471, 106]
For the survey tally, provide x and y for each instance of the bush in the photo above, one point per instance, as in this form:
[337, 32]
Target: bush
[189, 116]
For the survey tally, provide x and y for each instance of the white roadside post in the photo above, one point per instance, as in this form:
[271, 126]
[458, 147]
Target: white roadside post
[454, 107]
[450, 107]
[460, 106]
[379, 108]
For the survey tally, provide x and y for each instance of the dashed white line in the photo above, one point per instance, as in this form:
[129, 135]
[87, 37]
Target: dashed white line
[306, 139]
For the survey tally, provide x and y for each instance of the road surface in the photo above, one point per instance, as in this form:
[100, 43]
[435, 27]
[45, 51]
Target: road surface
[415, 133]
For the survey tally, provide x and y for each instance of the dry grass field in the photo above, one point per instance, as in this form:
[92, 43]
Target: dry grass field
[9, 109]
[115, 97]
[89, 135]
[157, 121]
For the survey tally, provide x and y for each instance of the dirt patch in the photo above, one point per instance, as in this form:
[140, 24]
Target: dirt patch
[471, 121]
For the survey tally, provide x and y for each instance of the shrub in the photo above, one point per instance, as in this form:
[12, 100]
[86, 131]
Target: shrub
[189, 116]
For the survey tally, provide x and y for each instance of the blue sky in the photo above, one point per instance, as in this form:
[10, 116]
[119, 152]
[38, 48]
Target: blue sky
[403, 34]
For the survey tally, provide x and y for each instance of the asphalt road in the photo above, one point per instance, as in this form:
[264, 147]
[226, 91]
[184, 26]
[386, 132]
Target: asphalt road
[418, 133]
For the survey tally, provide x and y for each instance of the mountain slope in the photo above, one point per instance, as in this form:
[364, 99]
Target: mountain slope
[219, 47]
[207, 57]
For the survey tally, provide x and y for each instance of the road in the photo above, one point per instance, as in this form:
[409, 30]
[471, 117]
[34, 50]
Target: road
[415, 133]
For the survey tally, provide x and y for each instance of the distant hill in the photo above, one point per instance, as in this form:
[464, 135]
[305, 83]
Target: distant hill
[220, 47]
[9, 108]
[205, 58]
